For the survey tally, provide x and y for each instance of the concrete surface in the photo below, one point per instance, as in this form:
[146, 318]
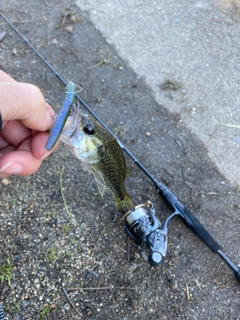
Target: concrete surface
[193, 46]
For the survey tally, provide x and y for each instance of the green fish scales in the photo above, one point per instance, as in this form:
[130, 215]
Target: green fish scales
[99, 153]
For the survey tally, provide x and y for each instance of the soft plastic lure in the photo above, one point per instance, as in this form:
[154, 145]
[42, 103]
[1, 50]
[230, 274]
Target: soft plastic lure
[62, 116]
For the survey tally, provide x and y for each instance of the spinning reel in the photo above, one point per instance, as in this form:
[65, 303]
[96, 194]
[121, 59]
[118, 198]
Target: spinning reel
[144, 228]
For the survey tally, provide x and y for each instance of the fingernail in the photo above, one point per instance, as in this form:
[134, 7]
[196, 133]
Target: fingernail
[48, 120]
[11, 168]
[46, 155]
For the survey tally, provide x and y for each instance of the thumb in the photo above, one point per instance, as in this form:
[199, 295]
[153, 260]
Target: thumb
[24, 102]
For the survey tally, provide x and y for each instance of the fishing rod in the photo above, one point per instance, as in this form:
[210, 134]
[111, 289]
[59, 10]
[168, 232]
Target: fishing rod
[142, 224]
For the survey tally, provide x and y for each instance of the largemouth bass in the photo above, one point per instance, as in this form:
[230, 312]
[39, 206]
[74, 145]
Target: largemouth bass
[99, 153]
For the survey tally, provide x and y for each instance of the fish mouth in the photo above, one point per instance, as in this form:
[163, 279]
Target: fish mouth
[78, 124]
[88, 125]
[72, 124]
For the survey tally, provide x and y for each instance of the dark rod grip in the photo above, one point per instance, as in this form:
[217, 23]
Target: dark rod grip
[189, 219]
[193, 223]
[237, 275]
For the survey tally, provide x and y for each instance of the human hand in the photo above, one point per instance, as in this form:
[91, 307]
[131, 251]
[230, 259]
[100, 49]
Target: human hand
[26, 117]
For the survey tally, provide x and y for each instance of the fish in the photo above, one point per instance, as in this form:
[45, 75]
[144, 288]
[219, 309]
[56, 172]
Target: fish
[62, 116]
[99, 153]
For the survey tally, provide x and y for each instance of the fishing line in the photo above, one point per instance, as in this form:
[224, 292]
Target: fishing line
[142, 224]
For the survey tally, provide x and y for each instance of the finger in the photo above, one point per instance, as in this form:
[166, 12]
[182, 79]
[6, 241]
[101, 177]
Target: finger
[14, 132]
[26, 159]
[5, 77]
[38, 145]
[25, 102]
[20, 163]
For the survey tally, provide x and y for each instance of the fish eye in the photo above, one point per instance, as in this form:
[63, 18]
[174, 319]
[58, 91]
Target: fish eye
[89, 129]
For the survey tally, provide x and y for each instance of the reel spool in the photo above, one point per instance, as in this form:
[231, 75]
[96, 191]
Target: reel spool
[144, 228]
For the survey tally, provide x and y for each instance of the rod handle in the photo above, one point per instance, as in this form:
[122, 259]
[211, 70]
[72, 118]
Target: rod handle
[193, 223]
[189, 219]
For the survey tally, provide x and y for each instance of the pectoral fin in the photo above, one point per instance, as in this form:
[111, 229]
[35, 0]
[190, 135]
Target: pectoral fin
[101, 188]
[100, 181]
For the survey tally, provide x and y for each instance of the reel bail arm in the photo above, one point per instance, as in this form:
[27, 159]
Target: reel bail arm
[144, 228]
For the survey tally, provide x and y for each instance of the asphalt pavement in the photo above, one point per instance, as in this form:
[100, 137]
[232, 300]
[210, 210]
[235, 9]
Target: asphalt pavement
[188, 54]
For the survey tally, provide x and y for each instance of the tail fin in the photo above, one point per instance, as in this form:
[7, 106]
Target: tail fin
[125, 203]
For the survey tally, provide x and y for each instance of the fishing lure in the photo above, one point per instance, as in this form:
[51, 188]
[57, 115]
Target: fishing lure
[62, 116]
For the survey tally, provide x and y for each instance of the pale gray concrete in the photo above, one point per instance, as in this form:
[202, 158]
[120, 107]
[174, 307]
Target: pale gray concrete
[193, 43]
